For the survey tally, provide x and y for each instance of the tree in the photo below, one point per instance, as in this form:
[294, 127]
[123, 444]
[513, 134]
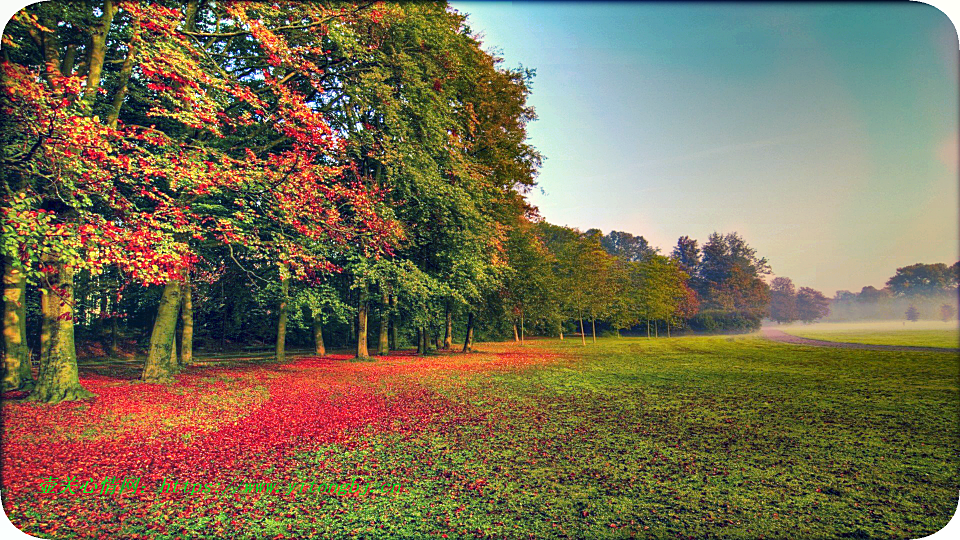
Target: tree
[947, 312]
[811, 305]
[627, 246]
[687, 255]
[783, 300]
[913, 314]
[923, 279]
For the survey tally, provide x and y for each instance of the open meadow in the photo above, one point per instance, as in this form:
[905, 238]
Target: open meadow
[690, 437]
[945, 335]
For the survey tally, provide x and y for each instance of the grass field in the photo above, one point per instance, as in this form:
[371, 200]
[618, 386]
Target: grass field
[920, 334]
[692, 437]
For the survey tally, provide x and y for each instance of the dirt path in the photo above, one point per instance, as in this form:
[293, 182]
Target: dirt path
[783, 337]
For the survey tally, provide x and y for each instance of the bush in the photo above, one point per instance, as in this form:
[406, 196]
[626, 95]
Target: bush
[723, 322]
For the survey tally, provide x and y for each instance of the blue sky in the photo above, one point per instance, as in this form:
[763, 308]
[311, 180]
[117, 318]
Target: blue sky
[825, 134]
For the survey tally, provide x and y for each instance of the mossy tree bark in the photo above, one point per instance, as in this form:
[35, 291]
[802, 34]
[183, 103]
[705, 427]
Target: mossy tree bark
[158, 367]
[17, 374]
[58, 379]
[448, 331]
[421, 341]
[468, 341]
[282, 322]
[383, 346]
[318, 335]
[394, 343]
[186, 317]
[362, 308]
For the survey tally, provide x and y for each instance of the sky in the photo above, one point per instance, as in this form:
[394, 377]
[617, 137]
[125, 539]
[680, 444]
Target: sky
[825, 134]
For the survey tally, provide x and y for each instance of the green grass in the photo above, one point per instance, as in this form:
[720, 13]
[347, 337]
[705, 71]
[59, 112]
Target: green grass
[692, 437]
[948, 338]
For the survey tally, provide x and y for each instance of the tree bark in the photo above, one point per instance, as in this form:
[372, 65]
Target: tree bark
[318, 335]
[282, 322]
[468, 341]
[516, 334]
[583, 335]
[421, 342]
[58, 379]
[383, 346]
[362, 351]
[17, 373]
[124, 77]
[521, 326]
[186, 316]
[97, 55]
[394, 344]
[594, 323]
[158, 367]
[448, 331]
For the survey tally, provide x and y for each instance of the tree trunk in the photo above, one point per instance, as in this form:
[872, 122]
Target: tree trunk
[58, 379]
[448, 333]
[383, 347]
[282, 322]
[516, 335]
[16, 360]
[583, 335]
[648, 328]
[521, 326]
[158, 367]
[594, 323]
[618, 333]
[223, 323]
[668, 328]
[468, 341]
[97, 55]
[186, 316]
[362, 351]
[114, 336]
[394, 343]
[421, 343]
[560, 327]
[318, 335]
[656, 328]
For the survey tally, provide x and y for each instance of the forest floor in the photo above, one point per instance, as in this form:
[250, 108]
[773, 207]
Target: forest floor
[682, 437]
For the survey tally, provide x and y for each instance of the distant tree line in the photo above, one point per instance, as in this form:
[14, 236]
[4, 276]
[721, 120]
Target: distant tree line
[931, 290]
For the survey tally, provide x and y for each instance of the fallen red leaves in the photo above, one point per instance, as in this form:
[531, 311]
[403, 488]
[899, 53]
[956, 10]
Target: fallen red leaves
[217, 424]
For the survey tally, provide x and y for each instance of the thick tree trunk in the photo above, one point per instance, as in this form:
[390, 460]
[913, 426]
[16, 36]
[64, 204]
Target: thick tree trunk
[158, 367]
[16, 360]
[448, 330]
[318, 335]
[58, 379]
[468, 341]
[594, 323]
[421, 342]
[282, 322]
[186, 316]
[439, 339]
[394, 343]
[362, 351]
[516, 334]
[383, 345]
[97, 55]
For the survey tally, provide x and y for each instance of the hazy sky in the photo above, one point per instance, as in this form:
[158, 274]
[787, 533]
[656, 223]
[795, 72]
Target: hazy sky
[826, 135]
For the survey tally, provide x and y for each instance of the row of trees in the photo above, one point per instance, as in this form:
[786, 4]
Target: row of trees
[927, 288]
[787, 304]
[243, 173]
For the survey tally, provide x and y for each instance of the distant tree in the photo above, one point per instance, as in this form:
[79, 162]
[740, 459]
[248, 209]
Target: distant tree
[687, 255]
[783, 300]
[627, 246]
[947, 312]
[922, 279]
[871, 294]
[844, 296]
[811, 305]
[913, 314]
